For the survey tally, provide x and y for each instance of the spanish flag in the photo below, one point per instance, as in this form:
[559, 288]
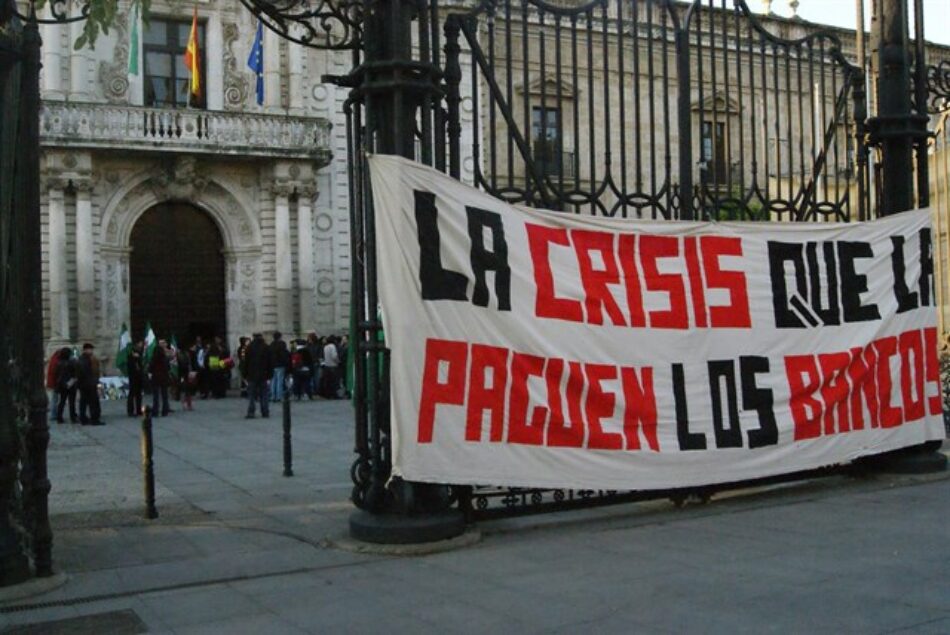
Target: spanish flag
[192, 58]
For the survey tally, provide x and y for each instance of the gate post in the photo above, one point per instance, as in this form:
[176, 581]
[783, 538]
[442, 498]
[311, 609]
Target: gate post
[37, 438]
[394, 87]
[684, 123]
[896, 129]
[24, 485]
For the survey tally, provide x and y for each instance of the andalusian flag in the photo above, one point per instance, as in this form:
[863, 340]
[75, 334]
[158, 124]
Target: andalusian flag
[134, 41]
[122, 355]
[192, 59]
[151, 343]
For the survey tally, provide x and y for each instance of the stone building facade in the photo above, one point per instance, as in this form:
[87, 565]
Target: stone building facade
[128, 174]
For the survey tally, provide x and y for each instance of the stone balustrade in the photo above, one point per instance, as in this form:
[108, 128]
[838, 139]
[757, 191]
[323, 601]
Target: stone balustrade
[91, 125]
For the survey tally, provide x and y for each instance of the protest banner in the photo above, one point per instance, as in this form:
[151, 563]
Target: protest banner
[548, 349]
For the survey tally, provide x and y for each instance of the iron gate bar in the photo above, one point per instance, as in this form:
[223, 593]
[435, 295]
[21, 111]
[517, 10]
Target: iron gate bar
[920, 105]
[283, 16]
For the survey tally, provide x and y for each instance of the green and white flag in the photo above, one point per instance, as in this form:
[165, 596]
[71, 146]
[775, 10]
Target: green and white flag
[122, 354]
[134, 40]
[151, 343]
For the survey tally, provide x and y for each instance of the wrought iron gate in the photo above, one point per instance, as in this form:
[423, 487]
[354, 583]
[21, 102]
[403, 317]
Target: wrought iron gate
[658, 108]
[630, 108]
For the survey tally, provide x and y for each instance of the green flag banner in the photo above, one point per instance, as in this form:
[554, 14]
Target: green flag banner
[134, 41]
[122, 354]
[151, 343]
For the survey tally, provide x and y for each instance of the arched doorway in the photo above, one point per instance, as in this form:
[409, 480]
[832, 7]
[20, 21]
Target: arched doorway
[177, 274]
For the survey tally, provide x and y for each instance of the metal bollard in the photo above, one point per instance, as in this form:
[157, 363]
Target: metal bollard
[150, 511]
[288, 450]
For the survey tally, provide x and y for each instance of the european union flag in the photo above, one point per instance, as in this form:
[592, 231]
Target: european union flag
[256, 62]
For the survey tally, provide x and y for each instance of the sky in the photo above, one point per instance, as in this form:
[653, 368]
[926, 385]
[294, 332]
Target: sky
[842, 13]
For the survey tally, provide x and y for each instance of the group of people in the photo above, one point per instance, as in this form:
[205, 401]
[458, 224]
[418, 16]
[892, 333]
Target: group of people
[311, 368]
[67, 375]
[183, 374]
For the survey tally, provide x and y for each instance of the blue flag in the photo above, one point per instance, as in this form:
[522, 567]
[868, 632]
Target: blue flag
[255, 62]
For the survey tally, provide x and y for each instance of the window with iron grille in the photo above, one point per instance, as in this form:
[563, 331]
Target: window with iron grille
[546, 138]
[166, 76]
[714, 152]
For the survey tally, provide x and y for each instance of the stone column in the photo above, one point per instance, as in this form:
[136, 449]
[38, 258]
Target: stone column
[215, 70]
[52, 60]
[136, 92]
[85, 262]
[306, 276]
[296, 55]
[78, 67]
[283, 268]
[271, 70]
[58, 283]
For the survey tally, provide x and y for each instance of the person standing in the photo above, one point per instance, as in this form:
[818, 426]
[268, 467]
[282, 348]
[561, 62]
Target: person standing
[158, 369]
[280, 357]
[242, 363]
[259, 371]
[301, 363]
[218, 359]
[343, 349]
[187, 379]
[331, 367]
[90, 412]
[51, 390]
[133, 405]
[65, 384]
[201, 365]
[315, 348]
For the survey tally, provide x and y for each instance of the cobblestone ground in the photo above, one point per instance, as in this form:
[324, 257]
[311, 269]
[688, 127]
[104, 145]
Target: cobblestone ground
[239, 548]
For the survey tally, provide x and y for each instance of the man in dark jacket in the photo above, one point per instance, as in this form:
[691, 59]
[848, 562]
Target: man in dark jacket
[89, 387]
[158, 368]
[65, 381]
[259, 370]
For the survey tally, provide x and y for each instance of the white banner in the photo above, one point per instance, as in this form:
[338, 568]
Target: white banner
[545, 349]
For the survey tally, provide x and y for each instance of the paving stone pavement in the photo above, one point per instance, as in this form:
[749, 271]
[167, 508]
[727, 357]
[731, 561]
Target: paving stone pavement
[238, 548]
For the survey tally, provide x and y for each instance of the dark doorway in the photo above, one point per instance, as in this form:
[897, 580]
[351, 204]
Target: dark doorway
[177, 274]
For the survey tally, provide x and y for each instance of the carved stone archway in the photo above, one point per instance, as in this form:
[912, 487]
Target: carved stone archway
[240, 232]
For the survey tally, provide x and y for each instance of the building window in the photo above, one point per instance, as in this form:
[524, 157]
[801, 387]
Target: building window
[714, 152]
[546, 138]
[166, 76]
